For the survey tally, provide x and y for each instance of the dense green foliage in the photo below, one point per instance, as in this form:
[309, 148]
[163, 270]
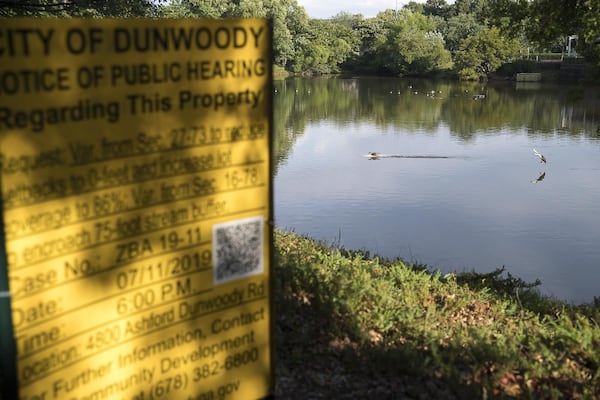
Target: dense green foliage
[412, 46]
[79, 8]
[483, 53]
[469, 38]
[381, 329]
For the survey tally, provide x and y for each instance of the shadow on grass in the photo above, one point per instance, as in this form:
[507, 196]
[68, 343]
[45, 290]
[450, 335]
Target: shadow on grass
[352, 327]
[322, 353]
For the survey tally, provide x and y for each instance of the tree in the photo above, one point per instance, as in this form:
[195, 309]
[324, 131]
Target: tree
[437, 8]
[479, 8]
[16, 8]
[199, 9]
[248, 9]
[117, 8]
[458, 28]
[347, 28]
[553, 19]
[418, 8]
[414, 47]
[290, 21]
[510, 16]
[590, 30]
[327, 44]
[290, 26]
[79, 8]
[484, 53]
[369, 34]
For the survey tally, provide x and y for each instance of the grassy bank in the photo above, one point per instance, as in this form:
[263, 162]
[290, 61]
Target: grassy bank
[350, 326]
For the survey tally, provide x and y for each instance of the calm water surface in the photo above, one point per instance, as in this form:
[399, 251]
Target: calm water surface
[487, 203]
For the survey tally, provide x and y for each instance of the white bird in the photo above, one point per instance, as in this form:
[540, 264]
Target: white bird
[542, 158]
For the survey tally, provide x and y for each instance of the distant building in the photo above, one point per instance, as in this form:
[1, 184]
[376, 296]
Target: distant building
[571, 45]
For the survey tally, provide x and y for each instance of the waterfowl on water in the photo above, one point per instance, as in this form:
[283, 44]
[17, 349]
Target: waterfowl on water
[541, 157]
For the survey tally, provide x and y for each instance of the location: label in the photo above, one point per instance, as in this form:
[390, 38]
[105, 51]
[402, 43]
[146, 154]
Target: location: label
[20, 41]
[189, 100]
[34, 81]
[188, 38]
[10, 164]
[38, 118]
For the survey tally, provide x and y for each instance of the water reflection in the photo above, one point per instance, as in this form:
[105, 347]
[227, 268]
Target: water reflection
[373, 155]
[451, 183]
[539, 178]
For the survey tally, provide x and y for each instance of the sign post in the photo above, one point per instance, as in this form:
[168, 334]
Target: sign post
[135, 166]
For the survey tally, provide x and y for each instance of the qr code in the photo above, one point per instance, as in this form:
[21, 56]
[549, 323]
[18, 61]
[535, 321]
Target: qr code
[238, 249]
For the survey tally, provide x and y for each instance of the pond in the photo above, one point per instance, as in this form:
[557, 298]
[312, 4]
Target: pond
[456, 184]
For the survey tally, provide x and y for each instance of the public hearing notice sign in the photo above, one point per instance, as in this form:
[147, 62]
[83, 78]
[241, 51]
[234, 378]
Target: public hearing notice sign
[137, 208]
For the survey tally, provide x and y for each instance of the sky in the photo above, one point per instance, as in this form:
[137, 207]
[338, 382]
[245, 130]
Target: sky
[368, 8]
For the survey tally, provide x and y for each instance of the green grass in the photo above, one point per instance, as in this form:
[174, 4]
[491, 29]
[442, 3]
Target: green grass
[279, 72]
[389, 329]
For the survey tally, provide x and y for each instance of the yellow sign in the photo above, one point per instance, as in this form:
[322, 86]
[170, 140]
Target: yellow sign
[136, 184]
